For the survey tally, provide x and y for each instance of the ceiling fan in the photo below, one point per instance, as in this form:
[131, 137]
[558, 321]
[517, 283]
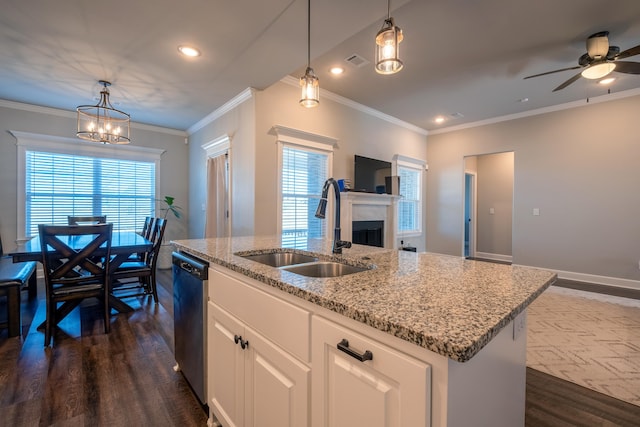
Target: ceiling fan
[600, 60]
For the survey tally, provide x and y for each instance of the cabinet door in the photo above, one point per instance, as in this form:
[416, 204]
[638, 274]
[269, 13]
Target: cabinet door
[392, 389]
[276, 385]
[225, 367]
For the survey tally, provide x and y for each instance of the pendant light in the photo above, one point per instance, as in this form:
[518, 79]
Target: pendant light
[101, 122]
[309, 83]
[387, 46]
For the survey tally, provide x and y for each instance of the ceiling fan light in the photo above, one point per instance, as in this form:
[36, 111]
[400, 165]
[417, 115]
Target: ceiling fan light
[388, 42]
[598, 71]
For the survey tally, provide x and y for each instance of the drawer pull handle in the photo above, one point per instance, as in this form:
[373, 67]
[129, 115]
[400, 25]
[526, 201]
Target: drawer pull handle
[243, 343]
[344, 346]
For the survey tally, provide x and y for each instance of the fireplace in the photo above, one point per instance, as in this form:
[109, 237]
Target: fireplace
[376, 212]
[368, 233]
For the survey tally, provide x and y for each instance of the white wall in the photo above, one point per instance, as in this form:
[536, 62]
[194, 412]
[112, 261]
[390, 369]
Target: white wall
[254, 152]
[357, 133]
[580, 167]
[239, 125]
[173, 166]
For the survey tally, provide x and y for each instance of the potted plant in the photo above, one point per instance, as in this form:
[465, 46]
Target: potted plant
[164, 257]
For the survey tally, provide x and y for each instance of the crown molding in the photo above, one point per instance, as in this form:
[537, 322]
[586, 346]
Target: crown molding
[243, 96]
[566, 106]
[292, 81]
[72, 115]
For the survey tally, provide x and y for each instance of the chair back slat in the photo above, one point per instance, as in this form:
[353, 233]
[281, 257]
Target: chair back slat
[86, 220]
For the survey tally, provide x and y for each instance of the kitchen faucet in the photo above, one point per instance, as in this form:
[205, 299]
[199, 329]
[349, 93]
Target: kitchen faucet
[320, 213]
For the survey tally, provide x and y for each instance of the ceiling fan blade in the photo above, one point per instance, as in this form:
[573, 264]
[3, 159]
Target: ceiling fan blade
[629, 52]
[627, 67]
[554, 71]
[568, 82]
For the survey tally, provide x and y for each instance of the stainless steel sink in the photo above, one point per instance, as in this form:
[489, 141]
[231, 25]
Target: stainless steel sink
[324, 269]
[281, 259]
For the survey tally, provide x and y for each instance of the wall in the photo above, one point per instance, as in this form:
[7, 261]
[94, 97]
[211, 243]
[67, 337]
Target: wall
[173, 178]
[239, 124]
[357, 133]
[579, 167]
[495, 205]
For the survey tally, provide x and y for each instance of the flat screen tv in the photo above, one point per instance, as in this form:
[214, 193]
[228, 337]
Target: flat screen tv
[369, 175]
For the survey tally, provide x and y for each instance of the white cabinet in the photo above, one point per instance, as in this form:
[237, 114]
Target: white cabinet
[391, 389]
[252, 380]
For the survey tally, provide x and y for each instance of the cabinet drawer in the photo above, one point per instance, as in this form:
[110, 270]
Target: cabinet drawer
[366, 383]
[285, 324]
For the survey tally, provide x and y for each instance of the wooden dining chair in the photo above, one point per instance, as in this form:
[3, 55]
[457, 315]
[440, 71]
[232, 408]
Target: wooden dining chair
[143, 271]
[71, 272]
[86, 220]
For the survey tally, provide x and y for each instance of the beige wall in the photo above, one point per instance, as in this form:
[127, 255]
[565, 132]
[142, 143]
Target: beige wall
[173, 167]
[579, 167]
[356, 132]
[239, 125]
[495, 204]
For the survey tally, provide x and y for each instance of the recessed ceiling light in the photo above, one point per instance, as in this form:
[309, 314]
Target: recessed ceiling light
[523, 100]
[189, 51]
[439, 119]
[607, 81]
[336, 71]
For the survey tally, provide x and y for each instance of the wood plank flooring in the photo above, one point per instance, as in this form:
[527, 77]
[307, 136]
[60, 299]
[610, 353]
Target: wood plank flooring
[126, 378]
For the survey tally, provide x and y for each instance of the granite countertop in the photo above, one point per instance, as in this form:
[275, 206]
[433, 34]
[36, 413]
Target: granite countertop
[446, 304]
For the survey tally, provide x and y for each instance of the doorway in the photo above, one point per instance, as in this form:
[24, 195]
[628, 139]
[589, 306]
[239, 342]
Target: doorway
[488, 206]
[469, 244]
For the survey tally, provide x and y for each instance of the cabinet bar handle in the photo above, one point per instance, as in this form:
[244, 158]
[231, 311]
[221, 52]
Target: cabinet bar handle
[344, 346]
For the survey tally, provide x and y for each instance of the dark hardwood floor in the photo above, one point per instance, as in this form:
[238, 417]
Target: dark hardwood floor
[126, 378]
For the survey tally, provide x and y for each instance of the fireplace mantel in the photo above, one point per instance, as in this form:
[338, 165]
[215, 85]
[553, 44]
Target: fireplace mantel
[356, 206]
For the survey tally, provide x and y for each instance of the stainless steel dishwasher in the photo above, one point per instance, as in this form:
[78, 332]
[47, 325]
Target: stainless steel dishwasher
[189, 319]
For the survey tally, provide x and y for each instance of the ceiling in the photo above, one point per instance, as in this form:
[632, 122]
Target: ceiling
[464, 59]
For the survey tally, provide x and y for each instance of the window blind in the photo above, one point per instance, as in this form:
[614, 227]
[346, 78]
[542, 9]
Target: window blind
[58, 185]
[303, 174]
[409, 206]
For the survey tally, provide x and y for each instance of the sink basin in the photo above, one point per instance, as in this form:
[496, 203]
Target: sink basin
[281, 259]
[324, 269]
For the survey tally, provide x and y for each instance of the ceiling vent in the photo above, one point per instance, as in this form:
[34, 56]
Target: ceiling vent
[356, 60]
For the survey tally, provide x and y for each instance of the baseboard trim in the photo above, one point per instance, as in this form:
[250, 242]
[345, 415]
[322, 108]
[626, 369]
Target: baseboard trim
[599, 280]
[494, 257]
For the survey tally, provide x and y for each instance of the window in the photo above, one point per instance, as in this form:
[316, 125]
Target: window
[63, 178]
[410, 204]
[305, 164]
[303, 174]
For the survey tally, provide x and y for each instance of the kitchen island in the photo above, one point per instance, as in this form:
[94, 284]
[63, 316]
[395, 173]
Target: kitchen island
[455, 328]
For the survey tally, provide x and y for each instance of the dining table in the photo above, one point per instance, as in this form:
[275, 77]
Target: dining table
[123, 245]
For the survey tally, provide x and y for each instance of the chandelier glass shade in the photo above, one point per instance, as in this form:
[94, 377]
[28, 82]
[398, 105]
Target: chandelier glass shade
[102, 123]
[388, 42]
[309, 83]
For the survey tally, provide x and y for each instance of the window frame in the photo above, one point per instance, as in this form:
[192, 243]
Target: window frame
[418, 166]
[61, 145]
[301, 140]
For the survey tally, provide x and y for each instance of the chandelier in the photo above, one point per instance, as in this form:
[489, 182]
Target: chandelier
[101, 122]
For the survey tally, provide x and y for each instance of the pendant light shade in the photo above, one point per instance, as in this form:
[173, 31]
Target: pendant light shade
[309, 83]
[101, 122]
[388, 42]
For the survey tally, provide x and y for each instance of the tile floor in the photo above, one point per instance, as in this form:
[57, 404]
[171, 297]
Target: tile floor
[589, 339]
